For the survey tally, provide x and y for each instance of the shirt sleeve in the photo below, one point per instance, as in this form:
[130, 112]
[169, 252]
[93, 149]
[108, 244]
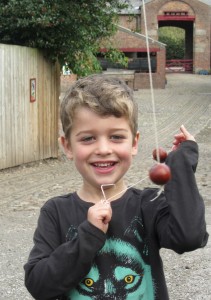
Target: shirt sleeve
[180, 224]
[54, 267]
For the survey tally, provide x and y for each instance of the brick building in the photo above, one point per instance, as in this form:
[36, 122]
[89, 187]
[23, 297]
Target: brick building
[193, 16]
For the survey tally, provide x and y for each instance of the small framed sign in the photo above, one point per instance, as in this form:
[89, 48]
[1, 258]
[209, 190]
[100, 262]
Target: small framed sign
[32, 89]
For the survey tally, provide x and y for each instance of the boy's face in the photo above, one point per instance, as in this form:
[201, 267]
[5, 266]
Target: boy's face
[101, 147]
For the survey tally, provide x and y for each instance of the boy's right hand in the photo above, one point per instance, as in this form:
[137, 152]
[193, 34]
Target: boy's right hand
[100, 215]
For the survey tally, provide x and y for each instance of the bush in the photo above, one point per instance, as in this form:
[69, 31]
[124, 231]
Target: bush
[174, 38]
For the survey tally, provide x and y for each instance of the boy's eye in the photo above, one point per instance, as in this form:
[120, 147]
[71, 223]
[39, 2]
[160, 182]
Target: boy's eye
[117, 137]
[87, 139]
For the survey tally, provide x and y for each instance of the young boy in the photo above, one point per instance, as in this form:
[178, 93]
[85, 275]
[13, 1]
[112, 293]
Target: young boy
[89, 248]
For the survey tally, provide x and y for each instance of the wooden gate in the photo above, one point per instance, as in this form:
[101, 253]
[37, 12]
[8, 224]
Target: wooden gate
[29, 99]
[179, 65]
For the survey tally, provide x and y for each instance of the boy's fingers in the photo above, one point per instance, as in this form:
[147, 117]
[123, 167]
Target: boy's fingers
[106, 218]
[186, 133]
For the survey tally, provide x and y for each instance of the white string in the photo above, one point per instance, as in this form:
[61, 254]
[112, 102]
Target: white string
[152, 94]
[151, 83]
[114, 196]
[158, 193]
[154, 118]
[105, 200]
[102, 190]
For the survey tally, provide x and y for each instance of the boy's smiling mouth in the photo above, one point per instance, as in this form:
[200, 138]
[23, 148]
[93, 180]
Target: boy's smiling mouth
[104, 167]
[103, 164]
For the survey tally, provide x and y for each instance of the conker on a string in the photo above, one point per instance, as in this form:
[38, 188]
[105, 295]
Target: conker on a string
[160, 174]
[159, 154]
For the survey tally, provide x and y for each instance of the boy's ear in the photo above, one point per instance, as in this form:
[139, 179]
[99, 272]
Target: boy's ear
[66, 147]
[135, 144]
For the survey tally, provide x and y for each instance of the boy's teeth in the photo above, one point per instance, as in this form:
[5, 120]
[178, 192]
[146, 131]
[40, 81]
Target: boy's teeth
[103, 164]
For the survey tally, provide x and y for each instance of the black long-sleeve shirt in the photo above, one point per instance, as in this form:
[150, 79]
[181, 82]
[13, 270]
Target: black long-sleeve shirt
[72, 259]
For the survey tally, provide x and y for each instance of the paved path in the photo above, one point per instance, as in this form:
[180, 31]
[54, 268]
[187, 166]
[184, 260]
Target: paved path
[186, 100]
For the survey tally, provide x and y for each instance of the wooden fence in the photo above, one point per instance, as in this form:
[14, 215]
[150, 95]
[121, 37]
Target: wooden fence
[29, 98]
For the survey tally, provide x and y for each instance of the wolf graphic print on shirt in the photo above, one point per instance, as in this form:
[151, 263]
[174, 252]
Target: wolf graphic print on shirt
[119, 271]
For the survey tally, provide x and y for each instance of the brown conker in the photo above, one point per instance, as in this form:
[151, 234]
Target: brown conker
[160, 174]
[162, 154]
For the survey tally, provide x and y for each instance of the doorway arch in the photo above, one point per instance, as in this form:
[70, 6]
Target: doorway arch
[194, 17]
[181, 15]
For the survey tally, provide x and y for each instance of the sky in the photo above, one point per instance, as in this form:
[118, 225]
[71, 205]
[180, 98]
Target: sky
[137, 3]
[206, 2]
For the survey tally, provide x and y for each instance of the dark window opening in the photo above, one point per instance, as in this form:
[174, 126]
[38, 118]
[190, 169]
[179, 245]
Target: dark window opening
[137, 61]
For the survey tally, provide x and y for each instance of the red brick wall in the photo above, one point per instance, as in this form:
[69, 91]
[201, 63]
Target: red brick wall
[176, 6]
[125, 40]
[158, 79]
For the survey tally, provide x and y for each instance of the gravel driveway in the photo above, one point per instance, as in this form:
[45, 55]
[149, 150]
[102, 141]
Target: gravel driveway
[186, 100]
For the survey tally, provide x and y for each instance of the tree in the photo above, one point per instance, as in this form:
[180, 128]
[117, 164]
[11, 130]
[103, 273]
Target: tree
[174, 38]
[67, 31]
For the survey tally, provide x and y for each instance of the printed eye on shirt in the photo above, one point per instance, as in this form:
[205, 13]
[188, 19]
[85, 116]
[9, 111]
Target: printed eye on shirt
[118, 272]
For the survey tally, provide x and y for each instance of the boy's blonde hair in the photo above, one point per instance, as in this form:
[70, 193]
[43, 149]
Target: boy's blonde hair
[106, 96]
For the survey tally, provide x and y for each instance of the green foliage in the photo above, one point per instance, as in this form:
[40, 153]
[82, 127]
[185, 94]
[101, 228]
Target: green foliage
[69, 31]
[116, 56]
[174, 38]
[85, 62]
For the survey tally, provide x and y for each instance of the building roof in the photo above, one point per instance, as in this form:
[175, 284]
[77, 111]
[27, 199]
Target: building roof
[140, 36]
[135, 4]
[208, 2]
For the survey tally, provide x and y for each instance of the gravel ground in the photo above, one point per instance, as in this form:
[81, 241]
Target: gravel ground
[186, 100]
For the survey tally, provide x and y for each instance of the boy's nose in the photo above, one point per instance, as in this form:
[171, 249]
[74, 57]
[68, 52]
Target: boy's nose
[103, 147]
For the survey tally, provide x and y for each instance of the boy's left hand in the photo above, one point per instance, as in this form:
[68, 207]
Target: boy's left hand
[184, 135]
